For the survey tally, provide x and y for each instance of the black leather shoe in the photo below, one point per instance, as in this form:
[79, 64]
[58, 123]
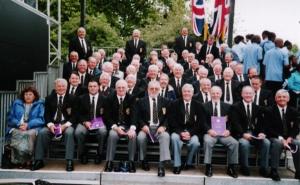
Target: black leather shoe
[232, 172]
[263, 172]
[132, 167]
[245, 171]
[188, 167]
[145, 165]
[84, 159]
[176, 170]
[161, 172]
[69, 166]
[38, 164]
[98, 159]
[208, 170]
[109, 166]
[274, 175]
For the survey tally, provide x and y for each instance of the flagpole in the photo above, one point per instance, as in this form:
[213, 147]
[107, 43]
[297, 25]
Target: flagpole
[231, 22]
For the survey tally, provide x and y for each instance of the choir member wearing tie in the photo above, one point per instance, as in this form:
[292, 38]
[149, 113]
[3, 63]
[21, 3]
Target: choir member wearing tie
[105, 89]
[202, 72]
[186, 121]
[230, 87]
[249, 128]
[183, 60]
[209, 48]
[92, 69]
[191, 73]
[70, 66]
[262, 97]
[81, 45]
[59, 114]
[228, 60]
[84, 76]
[120, 112]
[283, 126]
[217, 108]
[74, 88]
[117, 72]
[203, 95]
[133, 87]
[90, 107]
[178, 81]
[184, 42]
[217, 73]
[135, 46]
[166, 90]
[152, 121]
[239, 74]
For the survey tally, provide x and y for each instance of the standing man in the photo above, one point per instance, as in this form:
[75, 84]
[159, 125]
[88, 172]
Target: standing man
[209, 48]
[283, 127]
[248, 127]
[152, 119]
[59, 112]
[135, 46]
[120, 120]
[184, 42]
[187, 122]
[70, 66]
[90, 106]
[217, 108]
[81, 45]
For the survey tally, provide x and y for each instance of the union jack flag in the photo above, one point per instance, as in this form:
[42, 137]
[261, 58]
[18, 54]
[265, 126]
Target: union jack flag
[221, 17]
[198, 16]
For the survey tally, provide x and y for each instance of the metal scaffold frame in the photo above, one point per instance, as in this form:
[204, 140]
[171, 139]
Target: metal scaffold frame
[54, 24]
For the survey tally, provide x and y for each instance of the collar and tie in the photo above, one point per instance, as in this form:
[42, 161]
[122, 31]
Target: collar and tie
[155, 111]
[92, 108]
[255, 99]
[283, 119]
[121, 115]
[227, 98]
[73, 90]
[206, 97]
[83, 45]
[187, 112]
[59, 110]
[215, 111]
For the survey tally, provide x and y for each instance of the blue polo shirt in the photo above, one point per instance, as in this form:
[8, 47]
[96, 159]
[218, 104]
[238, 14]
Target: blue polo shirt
[252, 55]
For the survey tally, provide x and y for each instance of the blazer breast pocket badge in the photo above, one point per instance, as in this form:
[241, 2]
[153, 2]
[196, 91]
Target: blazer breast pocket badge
[101, 111]
[164, 110]
[128, 111]
[69, 111]
[141, 50]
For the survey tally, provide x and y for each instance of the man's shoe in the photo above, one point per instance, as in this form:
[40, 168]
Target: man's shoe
[161, 172]
[145, 165]
[83, 159]
[208, 170]
[98, 159]
[245, 171]
[38, 164]
[274, 175]
[132, 167]
[69, 166]
[263, 172]
[188, 167]
[231, 171]
[176, 170]
[109, 166]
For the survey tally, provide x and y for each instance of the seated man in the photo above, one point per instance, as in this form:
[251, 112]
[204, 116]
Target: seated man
[59, 115]
[90, 106]
[283, 126]
[187, 122]
[217, 108]
[119, 113]
[248, 126]
[151, 116]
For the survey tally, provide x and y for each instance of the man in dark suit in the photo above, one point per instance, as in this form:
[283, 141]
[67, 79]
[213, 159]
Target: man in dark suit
[83, 75]
[217, 73]
[81, 45]
[186, 120]
[70, 66]
[184, 41]
[134, 87]
[90, 106]
[152, 75]
[203, 95]
[178, 81]
[166, 90]
[238, 74]
[120, 112]
[217, 108]
[249, 128]
[104, 81]
[230, 87]
[74, 87]
[202, 73]
[152, 120]
[262, 97]
[283, 127]
[135, 46]
[208, 48]
[60, 114]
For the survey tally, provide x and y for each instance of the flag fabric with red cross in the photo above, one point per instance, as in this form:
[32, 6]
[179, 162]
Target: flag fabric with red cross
[221, 17]
[198, 16]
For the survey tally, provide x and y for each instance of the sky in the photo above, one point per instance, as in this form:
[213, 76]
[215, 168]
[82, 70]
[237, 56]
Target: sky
[279, 16]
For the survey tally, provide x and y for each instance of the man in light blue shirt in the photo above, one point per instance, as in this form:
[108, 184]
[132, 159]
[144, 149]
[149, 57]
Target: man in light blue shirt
[275, 60]
[252, 54]
[268, 42]
[239, 47]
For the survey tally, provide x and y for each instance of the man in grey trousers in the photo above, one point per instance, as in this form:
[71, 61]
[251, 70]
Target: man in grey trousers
[151, 113]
